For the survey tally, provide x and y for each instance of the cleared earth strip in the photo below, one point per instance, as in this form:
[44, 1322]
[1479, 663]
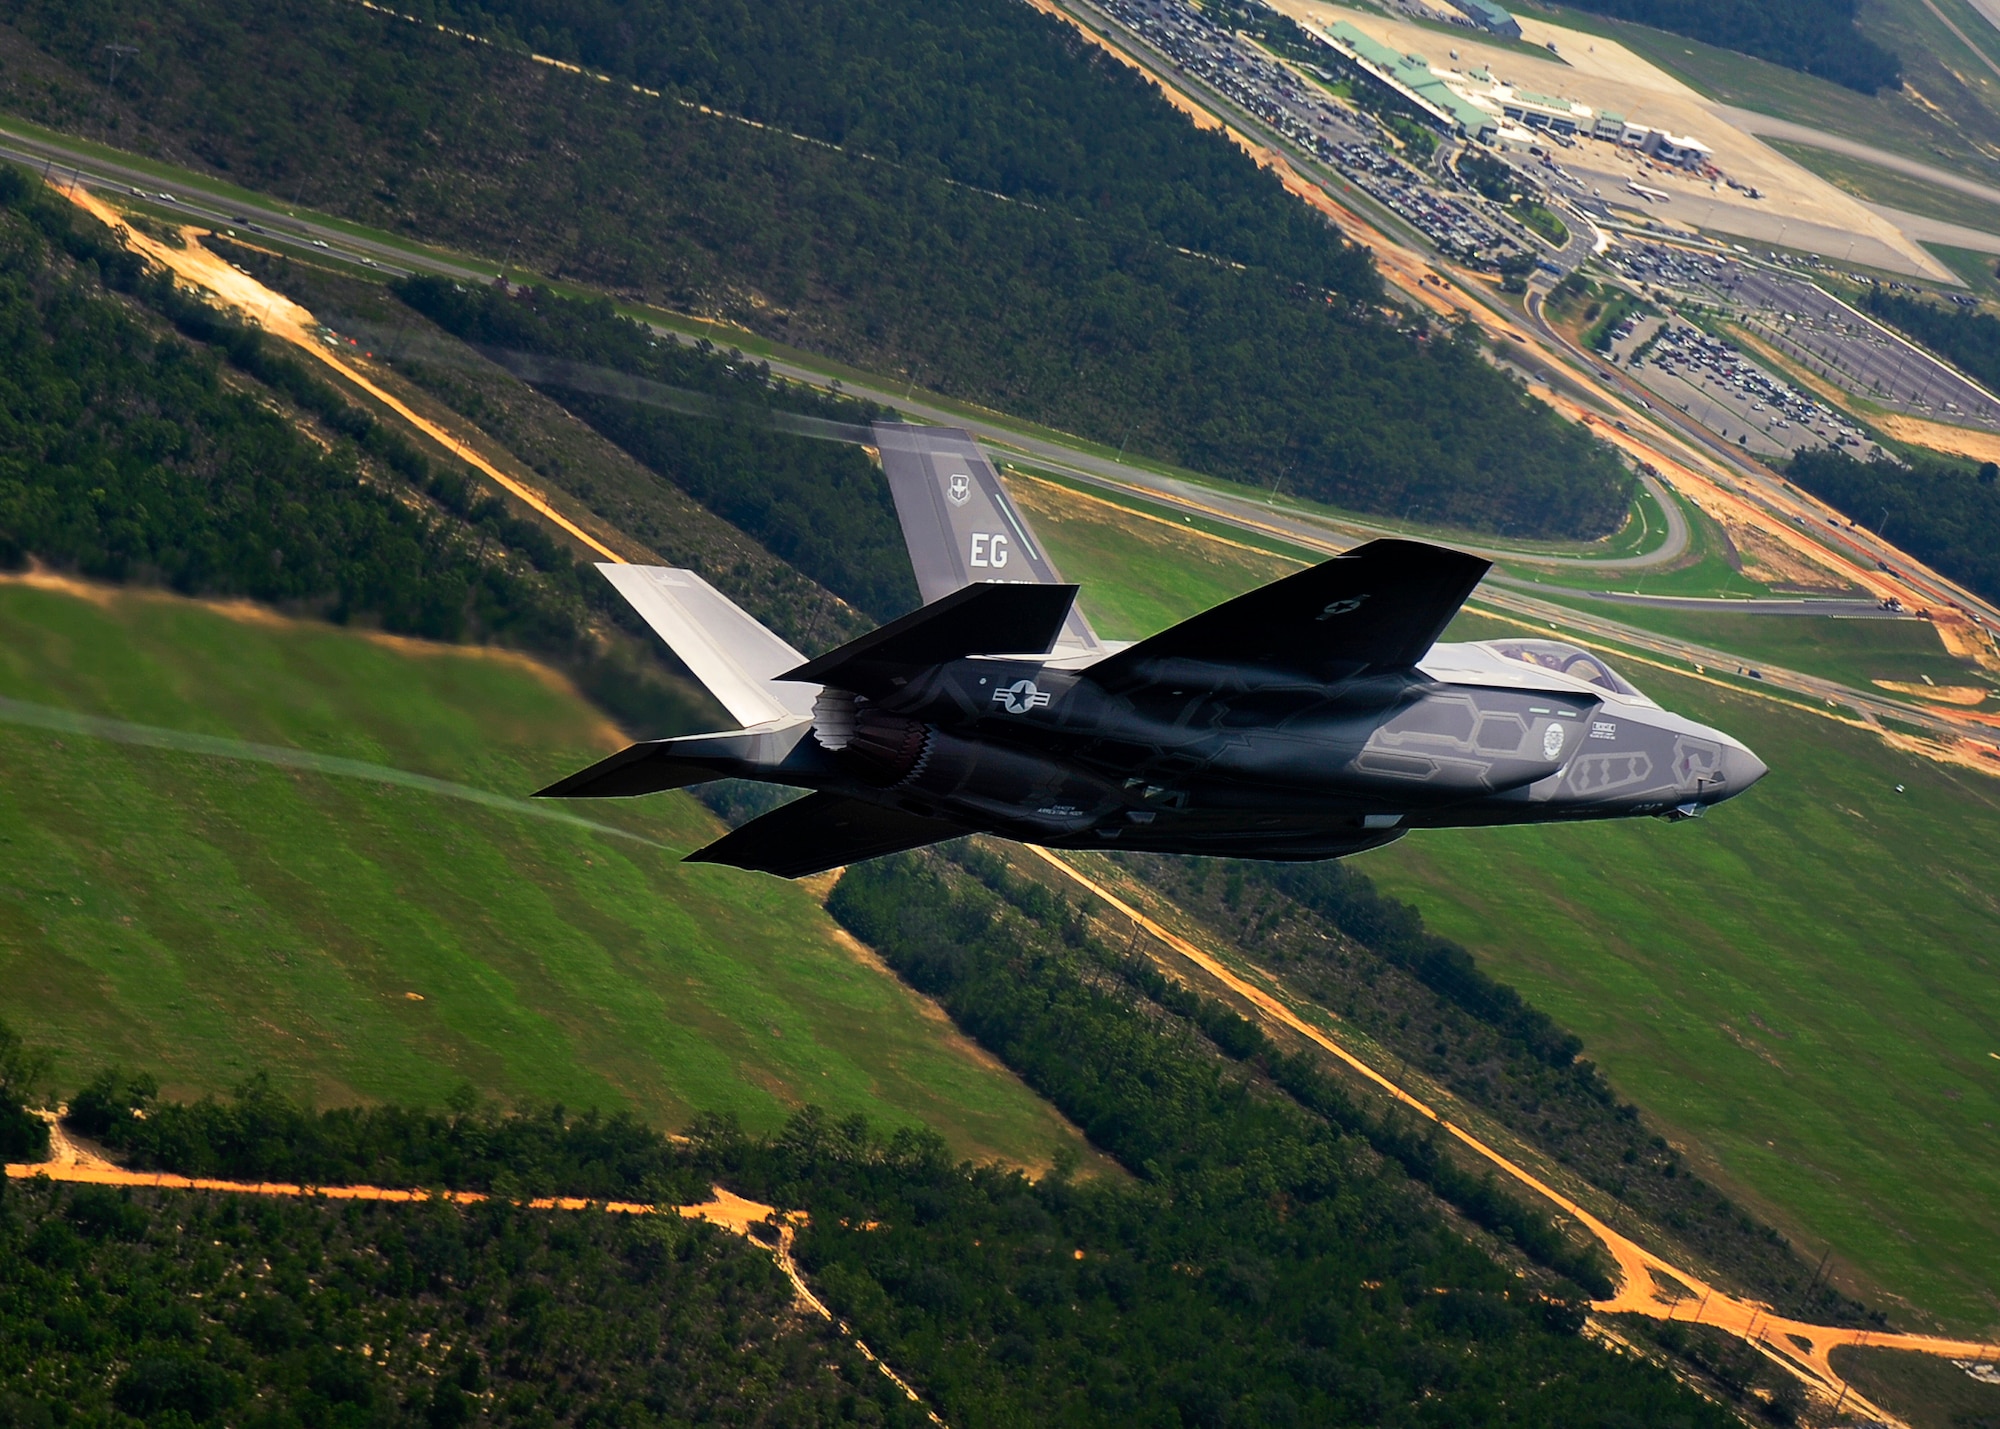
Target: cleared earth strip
[1799, 1346]
[737, 1214]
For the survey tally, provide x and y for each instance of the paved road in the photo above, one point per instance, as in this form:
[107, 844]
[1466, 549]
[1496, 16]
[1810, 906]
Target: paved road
[1938, 230]
[1869, 356]
[273, 222]
[1840, 609]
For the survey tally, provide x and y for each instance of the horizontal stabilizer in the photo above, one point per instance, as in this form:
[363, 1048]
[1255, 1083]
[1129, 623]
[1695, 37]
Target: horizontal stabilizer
[975, 620]
[822, 831]
[660, 764]
[1380, 606]
[733, 656]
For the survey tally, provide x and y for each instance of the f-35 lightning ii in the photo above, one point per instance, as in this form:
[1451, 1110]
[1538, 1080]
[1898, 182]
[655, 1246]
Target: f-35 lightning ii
[1312, 718]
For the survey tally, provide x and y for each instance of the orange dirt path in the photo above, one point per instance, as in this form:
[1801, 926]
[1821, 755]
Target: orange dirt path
[285, 319]
[734, 1213]
[1799, 1346]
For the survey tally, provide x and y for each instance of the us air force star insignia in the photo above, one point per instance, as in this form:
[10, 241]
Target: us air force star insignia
[1020, 697]
[1341, 607]
[959, 488]
[1552, 741]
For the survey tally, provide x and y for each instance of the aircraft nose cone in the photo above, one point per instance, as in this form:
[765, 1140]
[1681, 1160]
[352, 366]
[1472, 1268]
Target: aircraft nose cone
[1740, 769]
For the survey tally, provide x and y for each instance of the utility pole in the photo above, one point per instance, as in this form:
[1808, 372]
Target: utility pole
[118, 52]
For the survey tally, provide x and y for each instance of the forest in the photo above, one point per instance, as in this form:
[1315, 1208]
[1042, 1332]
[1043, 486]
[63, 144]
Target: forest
[1370, 960]
[174, 1309]
[1129, 278]
[134, 453]
[822, 507]
[1945, 513]
[1265, 1261]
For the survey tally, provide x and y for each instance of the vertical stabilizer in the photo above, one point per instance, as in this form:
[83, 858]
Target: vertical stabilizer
[733, 656]
[958, 522]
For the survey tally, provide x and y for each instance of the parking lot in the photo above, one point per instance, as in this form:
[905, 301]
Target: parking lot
[1714, 383]
[1350, 142]
[1822, 333]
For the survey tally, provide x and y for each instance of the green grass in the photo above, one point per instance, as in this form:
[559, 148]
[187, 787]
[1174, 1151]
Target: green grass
[1975, 269]
[1925, 1391]
[1879, 185]
[207, 918]
[1803, 988]
[1542, 221]
[1854, 652]
[1139, 575]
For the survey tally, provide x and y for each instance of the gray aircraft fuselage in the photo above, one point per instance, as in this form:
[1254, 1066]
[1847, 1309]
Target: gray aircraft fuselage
[1310, 718]
[1217, 759]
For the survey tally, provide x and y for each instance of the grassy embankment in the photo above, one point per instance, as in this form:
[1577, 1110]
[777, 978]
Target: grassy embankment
[1801, 988]
[207, 918]
[1875, 184]
[1855, 652]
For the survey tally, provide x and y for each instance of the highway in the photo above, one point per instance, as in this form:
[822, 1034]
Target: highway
[273, 223]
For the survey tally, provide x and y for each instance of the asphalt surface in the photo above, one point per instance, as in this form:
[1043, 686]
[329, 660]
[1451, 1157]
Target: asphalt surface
[261, 220]
[1869, 359]
[1821, 608]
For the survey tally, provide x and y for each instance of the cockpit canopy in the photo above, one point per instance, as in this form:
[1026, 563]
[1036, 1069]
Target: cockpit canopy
[1570, 660]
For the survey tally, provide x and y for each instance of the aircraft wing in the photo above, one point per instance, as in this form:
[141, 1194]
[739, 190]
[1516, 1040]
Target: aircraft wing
[819, 832]
[959, 523]
[1381, 605]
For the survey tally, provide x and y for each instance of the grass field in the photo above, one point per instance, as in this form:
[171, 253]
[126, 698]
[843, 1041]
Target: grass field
[1183, 569]
[206, 918]
[1855, 652]
[1976, 270]
[1803, 988]
[1879, 185]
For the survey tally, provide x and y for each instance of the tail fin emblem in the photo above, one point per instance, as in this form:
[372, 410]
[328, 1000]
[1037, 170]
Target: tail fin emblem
[1341, 607]
[959, 488]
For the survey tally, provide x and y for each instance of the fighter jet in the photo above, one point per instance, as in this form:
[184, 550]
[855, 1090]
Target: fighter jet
[1315, 717]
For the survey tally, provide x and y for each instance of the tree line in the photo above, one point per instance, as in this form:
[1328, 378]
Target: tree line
[1250, 344]
[155, 439]
[1273, 1257]
[122, 1307]
[1946, 513]
[1970, 339]
[1368, 958]
[821, 506]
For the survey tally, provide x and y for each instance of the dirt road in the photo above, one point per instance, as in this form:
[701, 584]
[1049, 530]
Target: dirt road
[1648, 1285]
[739, 1215]
[286, 320]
